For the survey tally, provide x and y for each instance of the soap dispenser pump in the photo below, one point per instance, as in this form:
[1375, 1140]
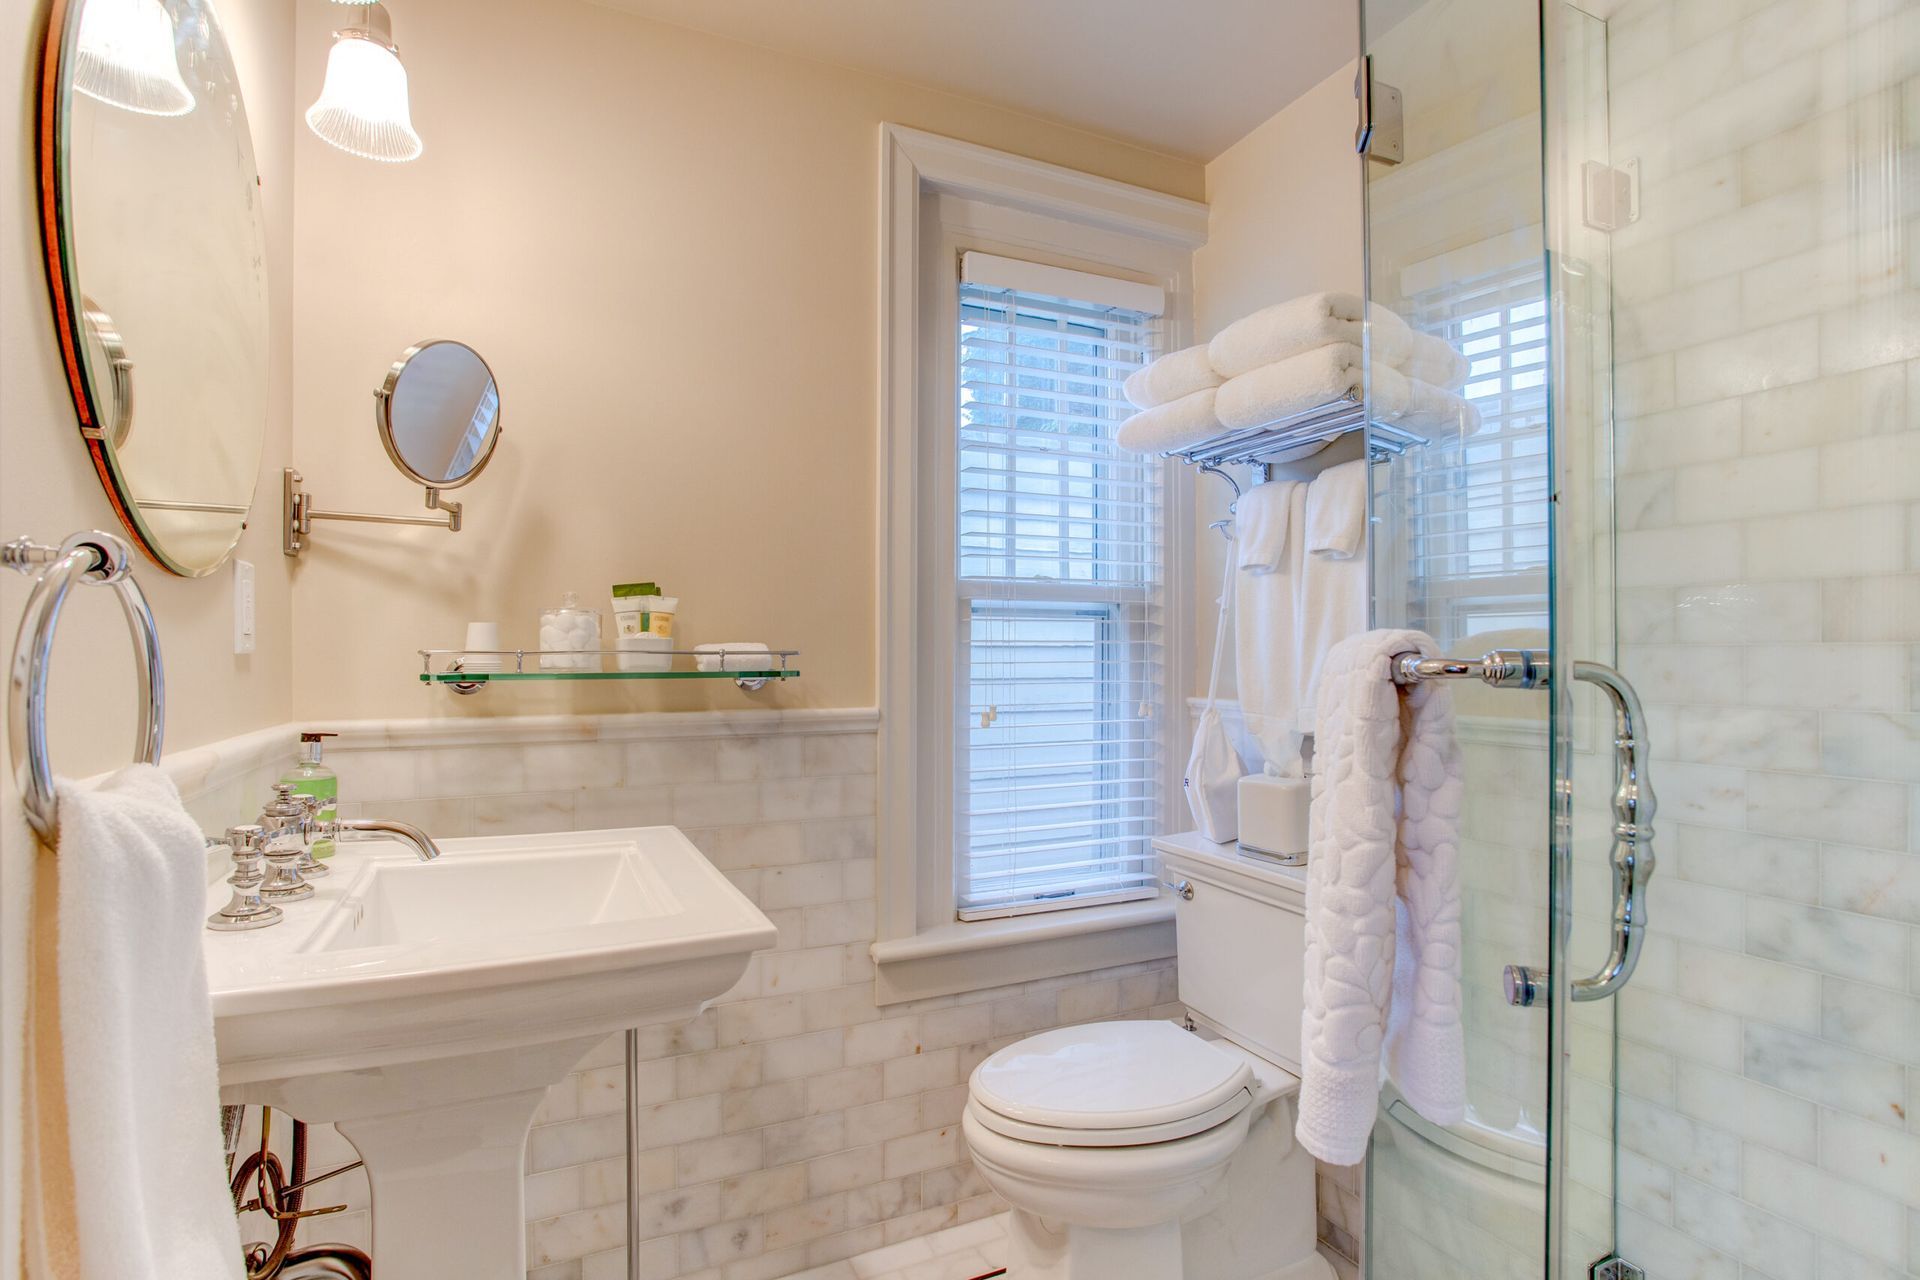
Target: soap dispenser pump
[311, 778]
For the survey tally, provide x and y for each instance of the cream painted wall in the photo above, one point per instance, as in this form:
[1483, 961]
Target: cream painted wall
[48, 490]
[1284, 219]
[666, 244]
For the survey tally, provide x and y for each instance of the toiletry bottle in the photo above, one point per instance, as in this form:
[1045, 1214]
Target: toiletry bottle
[311, 778]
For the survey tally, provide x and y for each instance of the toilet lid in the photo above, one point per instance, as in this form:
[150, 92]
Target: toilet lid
[1112, 1075]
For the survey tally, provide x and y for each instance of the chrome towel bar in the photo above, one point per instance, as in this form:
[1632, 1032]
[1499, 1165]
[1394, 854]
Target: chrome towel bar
[1633, 801]
[94, 559]
[1501, 668]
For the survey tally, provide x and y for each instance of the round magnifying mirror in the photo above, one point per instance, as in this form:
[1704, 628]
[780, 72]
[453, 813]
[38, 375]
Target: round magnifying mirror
[439, 414]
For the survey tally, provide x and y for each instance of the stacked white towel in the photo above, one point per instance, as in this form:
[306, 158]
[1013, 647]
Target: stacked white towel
[1383, 901]
[1171, 377]
[1292, 357]
[1274, 333]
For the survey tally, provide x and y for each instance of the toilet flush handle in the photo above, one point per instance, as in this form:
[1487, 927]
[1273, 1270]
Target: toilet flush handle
[1181, 888]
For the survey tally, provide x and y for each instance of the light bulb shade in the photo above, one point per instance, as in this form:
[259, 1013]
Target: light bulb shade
[362, 107]
[126, 57]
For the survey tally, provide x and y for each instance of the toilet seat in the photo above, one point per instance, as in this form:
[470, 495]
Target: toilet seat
[1109, 1084]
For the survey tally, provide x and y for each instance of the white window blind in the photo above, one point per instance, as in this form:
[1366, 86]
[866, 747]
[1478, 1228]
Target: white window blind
[1057, 696]
[1477, 506]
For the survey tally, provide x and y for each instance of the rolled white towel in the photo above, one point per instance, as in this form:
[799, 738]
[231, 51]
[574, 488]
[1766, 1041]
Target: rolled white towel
[1433, 360]
[1181, 424]
[1286, 329]
[1305, 381]
[1422, 407]
[1171, 377]
[747, 655]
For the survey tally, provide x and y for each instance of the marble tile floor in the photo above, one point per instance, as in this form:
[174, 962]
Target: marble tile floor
[969, 1251]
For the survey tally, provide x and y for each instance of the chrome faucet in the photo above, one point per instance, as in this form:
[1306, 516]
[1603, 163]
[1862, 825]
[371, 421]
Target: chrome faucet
[282, 840]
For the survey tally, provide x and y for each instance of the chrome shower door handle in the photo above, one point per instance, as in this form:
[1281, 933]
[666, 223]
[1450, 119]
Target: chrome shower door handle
[1633, 806]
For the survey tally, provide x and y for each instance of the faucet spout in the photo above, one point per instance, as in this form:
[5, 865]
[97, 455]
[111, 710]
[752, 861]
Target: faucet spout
[422, 843]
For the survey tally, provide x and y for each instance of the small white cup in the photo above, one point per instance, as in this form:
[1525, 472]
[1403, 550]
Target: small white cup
[482, 636]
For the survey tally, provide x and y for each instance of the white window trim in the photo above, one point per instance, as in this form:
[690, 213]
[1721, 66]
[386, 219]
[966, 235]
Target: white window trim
[921, 949]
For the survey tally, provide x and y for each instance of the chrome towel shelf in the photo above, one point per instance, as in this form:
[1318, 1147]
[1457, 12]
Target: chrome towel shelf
[1314, 426]
[93, 559]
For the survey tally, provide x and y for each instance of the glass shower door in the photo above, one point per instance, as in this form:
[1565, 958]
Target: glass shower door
[1497, 534]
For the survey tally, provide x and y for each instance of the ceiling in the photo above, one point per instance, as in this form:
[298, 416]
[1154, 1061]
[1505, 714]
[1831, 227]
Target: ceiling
[1185, 77]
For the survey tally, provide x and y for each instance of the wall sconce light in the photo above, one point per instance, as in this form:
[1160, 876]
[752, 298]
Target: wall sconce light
[126, 57]
[362, 108]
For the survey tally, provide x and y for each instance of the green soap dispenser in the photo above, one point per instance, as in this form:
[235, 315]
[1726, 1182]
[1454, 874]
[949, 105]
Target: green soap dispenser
[311, 778]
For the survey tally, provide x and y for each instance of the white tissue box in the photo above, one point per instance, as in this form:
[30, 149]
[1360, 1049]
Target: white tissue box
[1273, 817]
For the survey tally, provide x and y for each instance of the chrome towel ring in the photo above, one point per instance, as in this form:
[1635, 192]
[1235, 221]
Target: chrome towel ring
[93, 558]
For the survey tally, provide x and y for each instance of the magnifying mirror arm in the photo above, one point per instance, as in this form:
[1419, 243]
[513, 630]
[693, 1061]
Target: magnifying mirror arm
[301, 513]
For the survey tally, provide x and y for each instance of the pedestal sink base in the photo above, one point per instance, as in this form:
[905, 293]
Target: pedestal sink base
[426, 1008]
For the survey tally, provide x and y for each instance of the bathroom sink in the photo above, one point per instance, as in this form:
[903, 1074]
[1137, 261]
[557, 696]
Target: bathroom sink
[540, 901]
[426, 1007]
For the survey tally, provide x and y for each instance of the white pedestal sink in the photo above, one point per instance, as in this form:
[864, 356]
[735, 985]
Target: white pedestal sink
[425, 1008]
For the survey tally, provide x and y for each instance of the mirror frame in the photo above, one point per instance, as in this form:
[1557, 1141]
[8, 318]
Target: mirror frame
[70, 309]
[383, 416]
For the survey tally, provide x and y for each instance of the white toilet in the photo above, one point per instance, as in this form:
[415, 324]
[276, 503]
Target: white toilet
[1144, 1150]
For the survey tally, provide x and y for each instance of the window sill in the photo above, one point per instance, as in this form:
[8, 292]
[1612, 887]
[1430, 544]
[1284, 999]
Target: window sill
[976, 955]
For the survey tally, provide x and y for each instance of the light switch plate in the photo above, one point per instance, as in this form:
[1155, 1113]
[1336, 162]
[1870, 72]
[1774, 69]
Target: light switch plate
[243, 612]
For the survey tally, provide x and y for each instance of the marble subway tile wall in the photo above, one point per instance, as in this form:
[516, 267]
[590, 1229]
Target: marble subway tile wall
[795, 1123]
[1767, 324]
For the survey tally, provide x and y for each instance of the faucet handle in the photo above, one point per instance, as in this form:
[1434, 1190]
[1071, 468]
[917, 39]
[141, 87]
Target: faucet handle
[245, 910]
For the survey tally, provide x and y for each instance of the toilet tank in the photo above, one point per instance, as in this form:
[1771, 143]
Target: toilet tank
[1241, 942]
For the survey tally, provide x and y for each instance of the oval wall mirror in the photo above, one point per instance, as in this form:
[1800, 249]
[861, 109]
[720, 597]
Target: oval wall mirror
[439, 413]
[156, 256]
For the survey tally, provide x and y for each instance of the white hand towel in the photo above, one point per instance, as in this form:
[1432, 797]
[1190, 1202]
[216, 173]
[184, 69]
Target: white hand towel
[1179, 424]
[1171, 376]
[125, 1083]
[1337, 511]
[1434, 360]
[1260, 520]
[1286, 329]
[745, 655]
[1266, 637]
[1383, 901]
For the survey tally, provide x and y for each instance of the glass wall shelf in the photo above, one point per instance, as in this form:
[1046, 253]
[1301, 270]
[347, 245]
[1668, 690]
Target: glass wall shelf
[462, 670]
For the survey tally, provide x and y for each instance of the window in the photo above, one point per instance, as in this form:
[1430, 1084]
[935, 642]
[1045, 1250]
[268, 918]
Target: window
[1030, 573]
[1058, 550]
[1478, 513]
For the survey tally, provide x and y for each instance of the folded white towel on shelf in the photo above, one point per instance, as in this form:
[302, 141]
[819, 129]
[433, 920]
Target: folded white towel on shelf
[744, 655]
[1179, 424]
[122, 1073]
[1260, 527]
[1301, 382]
[1266, 618]
[1434, 360]
[1286, 329]
[1420, 406]
[1383, 901]
[1171, 376]
[1337, 511]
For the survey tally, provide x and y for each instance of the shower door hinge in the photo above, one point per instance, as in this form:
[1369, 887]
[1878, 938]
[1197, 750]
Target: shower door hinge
[1381, 134]
[1615, 1267]
[1611, 194]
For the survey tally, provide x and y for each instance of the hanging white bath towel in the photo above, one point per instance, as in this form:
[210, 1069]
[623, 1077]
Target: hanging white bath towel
[126, 1091]
[1383, 901]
